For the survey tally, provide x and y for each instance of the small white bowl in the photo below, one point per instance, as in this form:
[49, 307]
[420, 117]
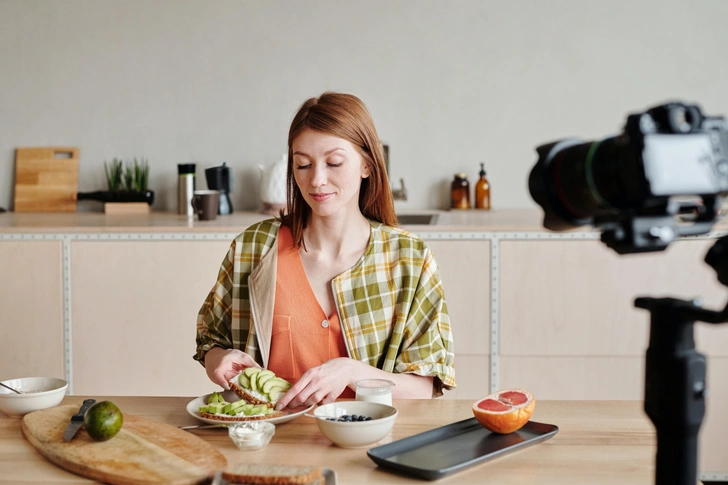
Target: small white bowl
[355, 434]
[42, 393]
[252, 435]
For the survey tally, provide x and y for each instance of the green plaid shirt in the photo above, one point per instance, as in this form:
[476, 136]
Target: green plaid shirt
[391, 304]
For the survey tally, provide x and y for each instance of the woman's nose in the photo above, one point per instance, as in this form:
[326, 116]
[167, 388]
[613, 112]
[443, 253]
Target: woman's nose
[319, 176]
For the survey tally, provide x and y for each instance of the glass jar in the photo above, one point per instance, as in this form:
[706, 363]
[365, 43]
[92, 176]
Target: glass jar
[374, 390]
[460, 192]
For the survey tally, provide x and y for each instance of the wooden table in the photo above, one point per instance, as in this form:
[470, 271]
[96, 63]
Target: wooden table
[599, 442]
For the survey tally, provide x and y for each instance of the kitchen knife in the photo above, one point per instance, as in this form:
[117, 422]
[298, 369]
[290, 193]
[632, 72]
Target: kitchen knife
[77, 420]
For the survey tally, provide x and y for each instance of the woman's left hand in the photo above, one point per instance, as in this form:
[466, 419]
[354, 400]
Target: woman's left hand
[322, 384]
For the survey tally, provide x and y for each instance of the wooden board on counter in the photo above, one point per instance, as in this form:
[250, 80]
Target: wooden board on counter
[144, 452]
[46, 179]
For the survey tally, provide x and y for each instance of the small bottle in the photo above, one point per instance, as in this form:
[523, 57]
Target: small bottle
[460, 192]
[482, 191]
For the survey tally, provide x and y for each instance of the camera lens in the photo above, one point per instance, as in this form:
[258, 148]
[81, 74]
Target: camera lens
[668, 151]
[575, 181]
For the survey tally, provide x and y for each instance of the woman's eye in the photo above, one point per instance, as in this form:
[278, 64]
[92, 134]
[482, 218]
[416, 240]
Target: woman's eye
[335, 164]
[303, 167]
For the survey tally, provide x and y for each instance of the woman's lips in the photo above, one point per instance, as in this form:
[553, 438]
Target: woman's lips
[321, 197]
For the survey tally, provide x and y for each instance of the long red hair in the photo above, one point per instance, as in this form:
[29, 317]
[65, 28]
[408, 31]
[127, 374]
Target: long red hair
[344, 116]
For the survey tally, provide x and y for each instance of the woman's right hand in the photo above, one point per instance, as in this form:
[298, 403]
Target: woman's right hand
[224, 364]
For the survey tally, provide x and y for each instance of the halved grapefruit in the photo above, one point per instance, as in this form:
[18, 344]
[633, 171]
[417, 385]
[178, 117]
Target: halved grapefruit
[505, 411]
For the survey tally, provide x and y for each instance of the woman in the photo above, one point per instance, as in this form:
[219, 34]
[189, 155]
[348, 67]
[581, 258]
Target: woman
[331, 292]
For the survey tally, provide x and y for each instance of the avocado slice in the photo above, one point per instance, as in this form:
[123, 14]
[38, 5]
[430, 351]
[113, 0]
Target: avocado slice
[236, 407]
[259, 409]
[249, 371]
[276, 393]
[244, 381]
[263, 376]
[275, 382]
[215, 408]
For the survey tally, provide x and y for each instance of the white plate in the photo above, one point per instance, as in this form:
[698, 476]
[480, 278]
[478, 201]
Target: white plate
[229, 396]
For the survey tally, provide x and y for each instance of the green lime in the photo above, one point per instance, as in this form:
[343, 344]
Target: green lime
[103, 420]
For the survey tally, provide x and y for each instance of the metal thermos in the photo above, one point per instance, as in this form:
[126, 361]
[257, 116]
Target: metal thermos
[185, 188]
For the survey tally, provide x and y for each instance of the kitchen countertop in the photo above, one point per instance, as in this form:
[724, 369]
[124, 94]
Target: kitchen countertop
[599, 442]
[506, 220]
[88, 222]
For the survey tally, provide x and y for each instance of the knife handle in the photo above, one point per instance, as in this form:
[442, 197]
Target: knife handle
[82, 412]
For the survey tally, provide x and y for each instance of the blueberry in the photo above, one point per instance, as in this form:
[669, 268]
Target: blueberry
[368, 418]
[354, 417]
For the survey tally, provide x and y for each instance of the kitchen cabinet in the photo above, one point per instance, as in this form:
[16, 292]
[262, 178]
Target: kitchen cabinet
[31, 309]
[465, 271]
[586, 321]
[134, 314]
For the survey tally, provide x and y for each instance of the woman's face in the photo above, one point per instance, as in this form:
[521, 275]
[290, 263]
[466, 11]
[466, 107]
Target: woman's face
[328, 171]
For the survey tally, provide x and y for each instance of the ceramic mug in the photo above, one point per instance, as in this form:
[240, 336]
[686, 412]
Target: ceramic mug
[206, 203]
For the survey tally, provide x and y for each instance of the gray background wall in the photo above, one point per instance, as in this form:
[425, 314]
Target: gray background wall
[449, 84]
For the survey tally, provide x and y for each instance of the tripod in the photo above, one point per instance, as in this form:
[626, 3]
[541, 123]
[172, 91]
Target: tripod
[675, 376]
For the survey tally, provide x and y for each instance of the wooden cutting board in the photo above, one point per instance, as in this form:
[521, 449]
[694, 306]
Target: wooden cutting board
[46, 179]
[144, 452]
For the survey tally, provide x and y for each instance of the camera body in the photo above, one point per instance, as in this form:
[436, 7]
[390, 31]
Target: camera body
[669, 160]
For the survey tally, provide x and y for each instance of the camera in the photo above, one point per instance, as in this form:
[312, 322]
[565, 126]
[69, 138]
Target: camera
[663, 177]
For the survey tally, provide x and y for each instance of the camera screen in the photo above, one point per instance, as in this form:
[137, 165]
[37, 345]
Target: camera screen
[681, 165]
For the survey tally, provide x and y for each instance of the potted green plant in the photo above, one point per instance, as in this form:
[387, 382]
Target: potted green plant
[126, 183]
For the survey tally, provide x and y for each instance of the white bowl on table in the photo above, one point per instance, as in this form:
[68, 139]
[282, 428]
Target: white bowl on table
[38, 393]
[355, 434]
[252, 435]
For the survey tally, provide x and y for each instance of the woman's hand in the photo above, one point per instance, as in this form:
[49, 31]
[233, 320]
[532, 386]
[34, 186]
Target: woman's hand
[322, 384]
[224, 364]
[325, 383]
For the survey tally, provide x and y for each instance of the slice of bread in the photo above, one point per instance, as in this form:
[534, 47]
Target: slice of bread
[265, 474]
[220, 417]
[243, 393]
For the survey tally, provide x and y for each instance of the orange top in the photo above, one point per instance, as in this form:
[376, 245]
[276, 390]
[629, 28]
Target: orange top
[303, 335]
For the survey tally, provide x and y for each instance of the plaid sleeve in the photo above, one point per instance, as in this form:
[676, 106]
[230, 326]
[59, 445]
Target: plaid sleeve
[427, 342]
[214, 320]
[225, 319]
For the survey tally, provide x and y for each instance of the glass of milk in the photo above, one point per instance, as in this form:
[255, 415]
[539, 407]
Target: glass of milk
[374, 390]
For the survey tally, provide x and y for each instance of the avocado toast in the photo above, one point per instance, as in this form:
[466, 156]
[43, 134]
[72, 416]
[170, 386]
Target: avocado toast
[259, 386]
[220, 410]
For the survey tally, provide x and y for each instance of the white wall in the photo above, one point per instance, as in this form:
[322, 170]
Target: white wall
[450, 84]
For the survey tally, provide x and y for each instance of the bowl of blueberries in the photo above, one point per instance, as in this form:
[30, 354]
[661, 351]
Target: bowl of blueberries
[355, 424]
